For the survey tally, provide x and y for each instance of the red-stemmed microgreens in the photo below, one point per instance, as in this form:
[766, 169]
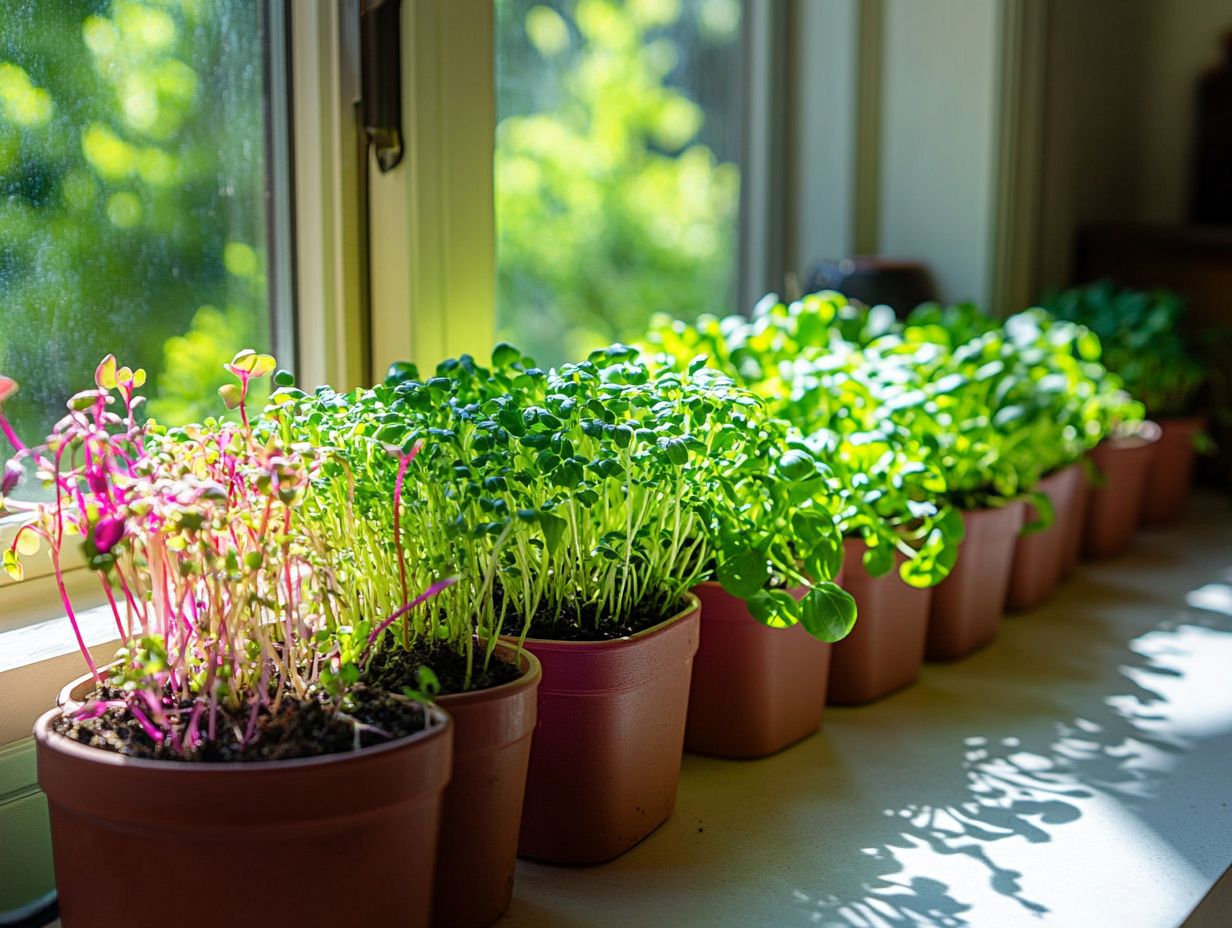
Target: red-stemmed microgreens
[224, 599]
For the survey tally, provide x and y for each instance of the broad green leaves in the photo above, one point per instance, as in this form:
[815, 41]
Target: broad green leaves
[743, 574]
[828, 612]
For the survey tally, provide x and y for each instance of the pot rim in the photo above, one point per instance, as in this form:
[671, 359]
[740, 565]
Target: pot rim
[532, 673]
[1151, 433]
[692, 604]
[439, 724]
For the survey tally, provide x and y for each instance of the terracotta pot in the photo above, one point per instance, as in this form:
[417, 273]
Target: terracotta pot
[885, 650]
[1039, 557]
[1075, 522]
[605, 758]
[1116, 504]
[482, 809]
[968, 604]
[755, 690]
[1171, 474]
[127, 833]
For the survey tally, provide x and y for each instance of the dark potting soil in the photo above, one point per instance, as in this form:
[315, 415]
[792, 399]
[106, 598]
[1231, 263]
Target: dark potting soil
[298, 728]
[582, 624]
[393, 668]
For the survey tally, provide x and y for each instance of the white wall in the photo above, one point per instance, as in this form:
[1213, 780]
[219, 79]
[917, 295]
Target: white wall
[822, 196]
[938, 133]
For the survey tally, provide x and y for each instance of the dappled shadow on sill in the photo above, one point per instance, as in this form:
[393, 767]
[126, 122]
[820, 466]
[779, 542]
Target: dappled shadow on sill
[1170, 694]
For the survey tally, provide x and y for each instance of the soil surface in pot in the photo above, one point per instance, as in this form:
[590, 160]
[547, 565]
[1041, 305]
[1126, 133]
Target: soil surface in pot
[581, 624]
[393, 668]
[297, 728]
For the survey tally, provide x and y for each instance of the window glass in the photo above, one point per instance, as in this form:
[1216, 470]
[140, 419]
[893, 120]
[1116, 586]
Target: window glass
[617, 185]
[132, 207]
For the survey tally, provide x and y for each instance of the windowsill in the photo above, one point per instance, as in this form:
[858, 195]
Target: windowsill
[37, 659]
[1075, 772]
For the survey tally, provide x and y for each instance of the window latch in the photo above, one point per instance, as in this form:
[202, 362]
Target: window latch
[381, 79]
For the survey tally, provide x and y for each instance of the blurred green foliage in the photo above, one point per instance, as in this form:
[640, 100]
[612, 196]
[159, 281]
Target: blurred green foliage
[616, 194]
[131, 167]
[1145, 341]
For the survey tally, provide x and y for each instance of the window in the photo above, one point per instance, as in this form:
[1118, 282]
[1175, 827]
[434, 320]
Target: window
[133, 214]
[618, 138]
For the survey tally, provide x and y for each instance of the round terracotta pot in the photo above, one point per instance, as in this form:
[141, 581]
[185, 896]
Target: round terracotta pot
[755, 689]
[1171, 474]
[1075, 521]
[885, 651]
[1039, 557]
[968, 604]
[1116, 504]
[482, 809]
[127, 833]
[605, 758]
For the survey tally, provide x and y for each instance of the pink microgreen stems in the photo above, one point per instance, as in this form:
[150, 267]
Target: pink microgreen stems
[399, 613]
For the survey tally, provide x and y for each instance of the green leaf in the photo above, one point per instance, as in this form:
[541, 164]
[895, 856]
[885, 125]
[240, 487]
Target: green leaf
[828, 612]
[1045, 515]
[505, 354]
[553, 529]
[743, 574]
[796, 464]
[775, 608]
[12, 565]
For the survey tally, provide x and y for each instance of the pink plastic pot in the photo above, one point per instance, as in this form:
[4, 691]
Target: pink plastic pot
[605, 757]
[885, 651]
[755, 690]
[1039, 557]
[1171, 474]
[968, 604]
[1115, 508]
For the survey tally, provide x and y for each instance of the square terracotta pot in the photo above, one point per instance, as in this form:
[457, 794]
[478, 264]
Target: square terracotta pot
[1039, 557]
[1116, 503]
[968, 604]
[1171, 474]
[885, 651]
[756, 689]
[605, 755]
[1074, 523]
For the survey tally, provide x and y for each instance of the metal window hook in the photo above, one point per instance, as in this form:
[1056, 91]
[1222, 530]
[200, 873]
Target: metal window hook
[381, 79]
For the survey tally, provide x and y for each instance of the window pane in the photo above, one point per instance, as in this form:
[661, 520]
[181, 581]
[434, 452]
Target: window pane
[617, 185]
[133, 212]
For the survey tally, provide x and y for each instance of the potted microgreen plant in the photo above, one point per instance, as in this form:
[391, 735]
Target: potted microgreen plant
[232, 719]
[397, 506]
[1146, 342]
[1062, 360]
[900, 536]
[606, 490]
